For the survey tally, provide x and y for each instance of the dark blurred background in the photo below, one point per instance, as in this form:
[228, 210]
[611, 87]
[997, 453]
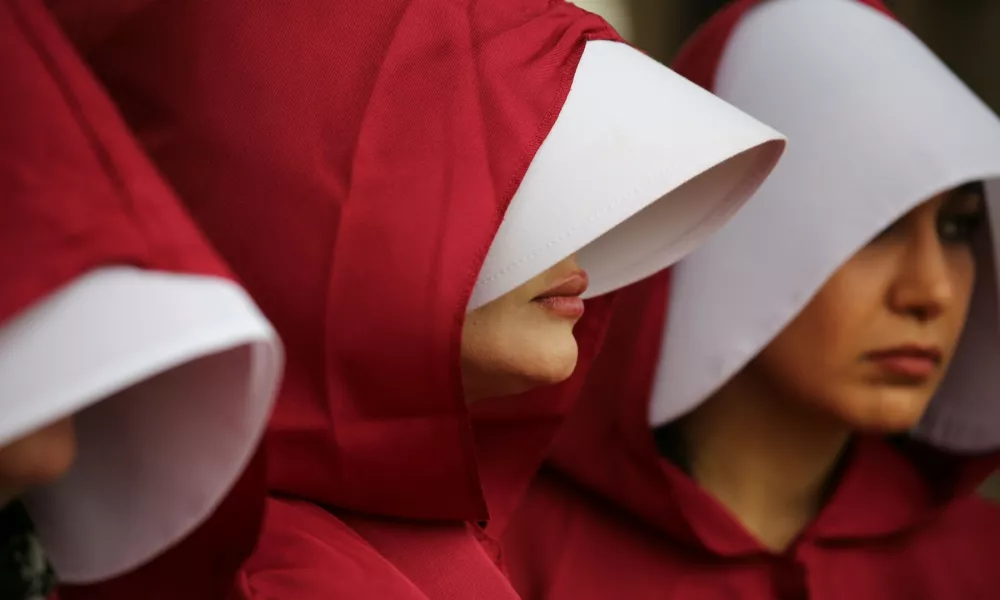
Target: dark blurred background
[964, 33]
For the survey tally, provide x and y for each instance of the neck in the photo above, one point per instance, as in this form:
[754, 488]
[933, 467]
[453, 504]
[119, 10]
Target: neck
[768, 460]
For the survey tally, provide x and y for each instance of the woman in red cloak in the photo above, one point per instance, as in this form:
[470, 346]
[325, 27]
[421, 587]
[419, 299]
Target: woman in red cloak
[412, 191]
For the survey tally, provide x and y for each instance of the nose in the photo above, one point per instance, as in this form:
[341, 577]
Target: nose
[39, 457]
[923, 285]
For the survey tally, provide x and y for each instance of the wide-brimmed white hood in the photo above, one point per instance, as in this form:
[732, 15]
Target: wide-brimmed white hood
[877, 125]
[170, 379]
[639, 168]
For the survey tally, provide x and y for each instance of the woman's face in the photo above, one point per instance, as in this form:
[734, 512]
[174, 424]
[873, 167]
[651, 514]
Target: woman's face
[37, 458]
[524, 339]
[872, 346]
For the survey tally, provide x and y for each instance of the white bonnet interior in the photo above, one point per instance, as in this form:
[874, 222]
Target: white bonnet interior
[877, 124]
[639, 167]
[170, 379]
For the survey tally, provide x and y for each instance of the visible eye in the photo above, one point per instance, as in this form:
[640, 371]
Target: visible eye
[960, 229]
[962, 215]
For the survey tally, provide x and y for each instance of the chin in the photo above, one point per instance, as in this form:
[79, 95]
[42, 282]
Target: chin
[503, 361]
[544, 366]
[553, 369]
[889, 411]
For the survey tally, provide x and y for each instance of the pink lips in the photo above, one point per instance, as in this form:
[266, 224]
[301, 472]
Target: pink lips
[910, 361]
[563, 298]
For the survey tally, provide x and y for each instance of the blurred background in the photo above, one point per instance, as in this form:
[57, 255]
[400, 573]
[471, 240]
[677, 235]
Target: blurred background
[964, 33]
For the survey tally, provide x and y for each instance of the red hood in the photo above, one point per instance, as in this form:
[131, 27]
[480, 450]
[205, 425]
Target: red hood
[292, 134]
[606, 445]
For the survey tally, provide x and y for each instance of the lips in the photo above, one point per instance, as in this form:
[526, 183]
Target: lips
[563, 298]
[909, 362]
[574, 284]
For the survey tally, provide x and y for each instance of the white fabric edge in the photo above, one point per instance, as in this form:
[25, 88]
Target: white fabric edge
[630, 133]
[110, 331]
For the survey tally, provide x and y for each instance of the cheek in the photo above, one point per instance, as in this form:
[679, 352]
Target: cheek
[814, 359]
[814, 349]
